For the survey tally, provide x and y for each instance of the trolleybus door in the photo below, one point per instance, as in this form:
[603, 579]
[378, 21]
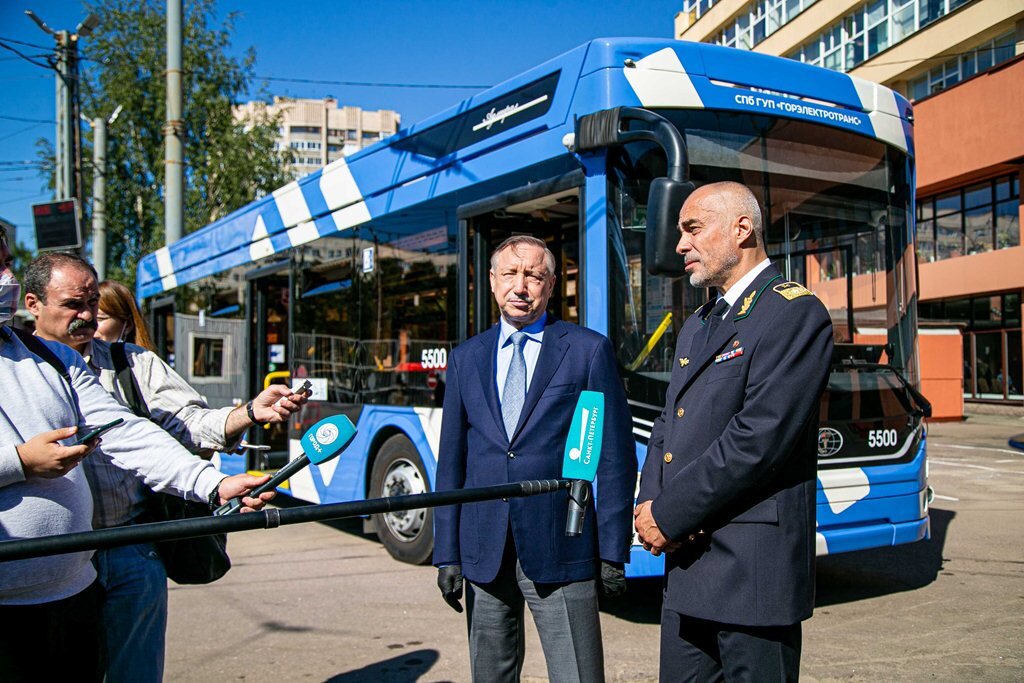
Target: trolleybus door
[161, 324]
[553, 218]
[268, 353]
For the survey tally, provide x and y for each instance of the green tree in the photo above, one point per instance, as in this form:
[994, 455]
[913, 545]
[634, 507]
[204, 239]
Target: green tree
[228, 162]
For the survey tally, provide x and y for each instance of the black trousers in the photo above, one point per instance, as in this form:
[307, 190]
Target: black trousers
[54, 641]
[700, 650]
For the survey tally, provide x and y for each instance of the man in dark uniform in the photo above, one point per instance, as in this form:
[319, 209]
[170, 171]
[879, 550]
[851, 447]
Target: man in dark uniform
[728, 487]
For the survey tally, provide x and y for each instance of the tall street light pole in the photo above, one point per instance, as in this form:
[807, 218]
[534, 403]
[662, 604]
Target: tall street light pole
[99, 192]
[68, 147]
[174, 130]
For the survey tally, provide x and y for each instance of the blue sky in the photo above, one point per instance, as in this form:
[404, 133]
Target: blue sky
[479, 42]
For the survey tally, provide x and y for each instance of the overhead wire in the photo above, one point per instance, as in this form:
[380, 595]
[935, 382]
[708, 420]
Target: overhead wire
[22, 42]
[21, 119]
[20, 131]
[368, 84]
[27, 58]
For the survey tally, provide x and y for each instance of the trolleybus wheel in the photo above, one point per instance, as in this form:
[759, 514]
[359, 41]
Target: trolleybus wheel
[398, 471]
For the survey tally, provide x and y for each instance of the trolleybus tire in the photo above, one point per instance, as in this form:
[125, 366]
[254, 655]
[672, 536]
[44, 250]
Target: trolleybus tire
[398, 470]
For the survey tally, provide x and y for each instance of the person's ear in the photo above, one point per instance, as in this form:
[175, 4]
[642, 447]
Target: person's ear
[744, 230]
[33, 303]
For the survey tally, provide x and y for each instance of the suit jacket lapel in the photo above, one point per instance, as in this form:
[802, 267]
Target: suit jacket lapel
[552, 350]
[701, 355]
[697, 341]
[726, 331]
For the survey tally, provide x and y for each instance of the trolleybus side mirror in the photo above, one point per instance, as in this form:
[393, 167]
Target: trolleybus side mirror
[664, 202]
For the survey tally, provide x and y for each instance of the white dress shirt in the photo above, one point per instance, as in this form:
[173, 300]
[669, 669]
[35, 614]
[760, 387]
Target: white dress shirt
[741, 285]
[531, 351]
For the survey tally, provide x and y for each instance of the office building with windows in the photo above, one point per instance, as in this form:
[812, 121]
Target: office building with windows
[319, 131]
[961, 63]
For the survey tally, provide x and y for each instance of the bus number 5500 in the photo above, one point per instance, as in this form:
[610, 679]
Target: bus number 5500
[434, 358]
[881, 438]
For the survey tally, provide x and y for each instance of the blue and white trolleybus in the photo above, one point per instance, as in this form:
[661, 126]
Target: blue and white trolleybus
[362, 276]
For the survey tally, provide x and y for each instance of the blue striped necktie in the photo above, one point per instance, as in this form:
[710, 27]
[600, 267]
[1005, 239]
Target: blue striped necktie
[514, 394]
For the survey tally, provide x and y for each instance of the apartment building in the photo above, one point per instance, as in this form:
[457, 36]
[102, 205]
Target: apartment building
[319, 131]
[961, 62]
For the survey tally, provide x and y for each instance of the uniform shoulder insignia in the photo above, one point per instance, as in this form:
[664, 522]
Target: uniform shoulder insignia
[792, 290]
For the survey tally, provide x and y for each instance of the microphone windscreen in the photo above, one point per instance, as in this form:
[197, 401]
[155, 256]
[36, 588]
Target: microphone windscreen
[327, 438]
[583, 444]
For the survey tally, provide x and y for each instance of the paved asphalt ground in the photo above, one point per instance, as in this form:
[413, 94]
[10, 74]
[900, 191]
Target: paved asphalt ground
[317, 602]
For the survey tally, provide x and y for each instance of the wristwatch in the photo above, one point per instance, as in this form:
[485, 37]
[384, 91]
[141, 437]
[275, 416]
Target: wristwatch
[214, 499]
[252, 415]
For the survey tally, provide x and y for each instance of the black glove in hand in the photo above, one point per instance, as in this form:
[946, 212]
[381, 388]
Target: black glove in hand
[613, 579]
[449, 580]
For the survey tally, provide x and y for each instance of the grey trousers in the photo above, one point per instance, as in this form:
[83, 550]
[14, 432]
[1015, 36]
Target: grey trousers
[567, 620]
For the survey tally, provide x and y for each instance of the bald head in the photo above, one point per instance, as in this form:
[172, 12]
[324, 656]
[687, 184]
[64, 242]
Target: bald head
[721, 234]
[736, 201]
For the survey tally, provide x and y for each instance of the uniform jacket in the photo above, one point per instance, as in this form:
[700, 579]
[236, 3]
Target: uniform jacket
[734, 454]
[475, 451]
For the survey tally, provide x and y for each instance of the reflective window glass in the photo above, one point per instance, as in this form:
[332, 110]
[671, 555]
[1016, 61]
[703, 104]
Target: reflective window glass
[958, 310]
[878, 39]
[1004, 48]
[1007, 224]
[947, 203]
[985, 59]
[925, 209]
[1014, 385]
[918, 88]
[1006, 188]
[926, 241]
[949, 236]
[987, 311]
[903, 22]
[978, 229]
[988, 351]
[968, 65]
[977, 195]
[970, 387]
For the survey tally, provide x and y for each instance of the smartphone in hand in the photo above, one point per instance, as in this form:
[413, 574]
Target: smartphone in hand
[93, 433]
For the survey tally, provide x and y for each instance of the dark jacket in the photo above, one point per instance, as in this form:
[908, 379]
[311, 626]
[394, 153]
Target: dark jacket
[475, 451]
[734, 454]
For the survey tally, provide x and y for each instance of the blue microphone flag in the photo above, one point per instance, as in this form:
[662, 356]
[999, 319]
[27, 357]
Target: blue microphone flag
[583, 445]
[327, 438]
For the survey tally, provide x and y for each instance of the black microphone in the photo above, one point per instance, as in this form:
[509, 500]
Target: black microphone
[582, 452]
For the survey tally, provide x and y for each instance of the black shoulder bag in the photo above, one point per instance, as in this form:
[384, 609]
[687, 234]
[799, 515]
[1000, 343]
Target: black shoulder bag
[203, 559]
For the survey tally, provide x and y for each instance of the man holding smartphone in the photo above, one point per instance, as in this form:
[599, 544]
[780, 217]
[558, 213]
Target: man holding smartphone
[49, 606]
[97, 432]
[62, 292]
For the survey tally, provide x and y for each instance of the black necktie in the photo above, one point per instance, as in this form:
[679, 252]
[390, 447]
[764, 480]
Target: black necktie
[714, 318]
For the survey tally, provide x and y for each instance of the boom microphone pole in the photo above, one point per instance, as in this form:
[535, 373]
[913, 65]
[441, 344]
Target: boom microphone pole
[323, 441]
[264, 519]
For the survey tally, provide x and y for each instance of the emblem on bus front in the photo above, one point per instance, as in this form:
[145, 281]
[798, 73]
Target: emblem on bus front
[830, 442]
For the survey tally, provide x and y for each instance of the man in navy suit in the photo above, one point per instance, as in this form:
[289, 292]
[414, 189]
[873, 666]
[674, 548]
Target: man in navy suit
[509, 401]
[728, 487]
